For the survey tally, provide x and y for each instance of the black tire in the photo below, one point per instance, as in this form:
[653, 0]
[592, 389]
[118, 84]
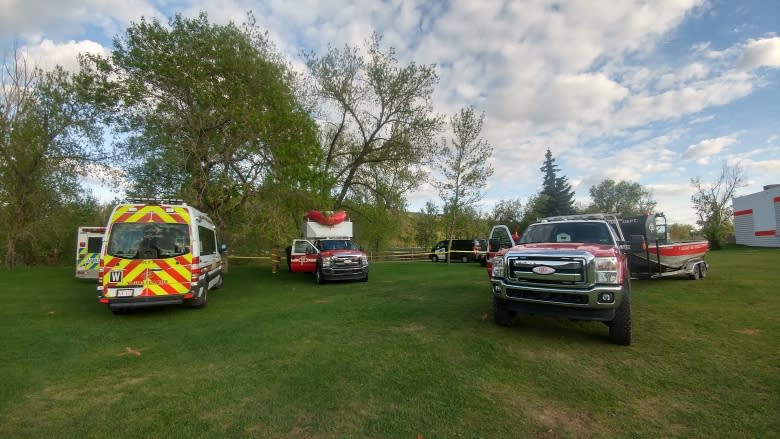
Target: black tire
[620, 328]
[502, 316]
[434, 258]
[203, 300]
[365, 279]
[218, 285]
[695, 273]
[702, 270]
[118, 311]
[318, 277]
[464, 259]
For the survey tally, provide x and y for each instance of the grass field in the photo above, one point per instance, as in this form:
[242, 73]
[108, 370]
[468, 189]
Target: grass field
[412, 352]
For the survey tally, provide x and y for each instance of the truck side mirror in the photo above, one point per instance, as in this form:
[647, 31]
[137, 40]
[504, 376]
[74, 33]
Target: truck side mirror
[223, 248]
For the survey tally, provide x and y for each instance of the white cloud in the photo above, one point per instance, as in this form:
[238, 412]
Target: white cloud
[760, 53]
[48, 54]
[704, 151]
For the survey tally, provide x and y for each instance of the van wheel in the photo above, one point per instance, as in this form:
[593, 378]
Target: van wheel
[434, 258]
[118, 311]
[203, 300]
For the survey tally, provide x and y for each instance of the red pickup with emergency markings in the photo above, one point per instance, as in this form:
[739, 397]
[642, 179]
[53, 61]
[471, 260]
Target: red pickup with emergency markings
[328, 250]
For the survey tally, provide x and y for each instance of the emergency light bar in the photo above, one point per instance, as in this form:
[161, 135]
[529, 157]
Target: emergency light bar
[143, 200]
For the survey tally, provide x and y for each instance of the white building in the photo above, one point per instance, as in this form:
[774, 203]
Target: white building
[757, 217]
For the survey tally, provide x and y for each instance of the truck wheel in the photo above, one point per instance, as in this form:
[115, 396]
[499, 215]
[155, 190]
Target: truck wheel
[365, 279]
[434, 258]
[318, 277]
[620, 328]
[702, 270]
[502, 316]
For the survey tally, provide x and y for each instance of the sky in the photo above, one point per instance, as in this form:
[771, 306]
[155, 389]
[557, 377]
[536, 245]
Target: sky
[649, 91]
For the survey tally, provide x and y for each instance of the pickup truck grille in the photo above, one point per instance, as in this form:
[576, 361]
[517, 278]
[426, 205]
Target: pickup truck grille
[547, 270]
[346, 261]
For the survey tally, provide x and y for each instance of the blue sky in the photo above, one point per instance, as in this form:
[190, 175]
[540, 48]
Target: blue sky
[654, 92]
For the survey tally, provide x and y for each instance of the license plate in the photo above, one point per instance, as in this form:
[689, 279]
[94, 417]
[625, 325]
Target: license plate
[124, 292]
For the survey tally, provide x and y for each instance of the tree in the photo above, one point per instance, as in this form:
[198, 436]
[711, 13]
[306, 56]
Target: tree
[625, 197]
[427, 225]
[49, 134]
[462, 161]
[557, 197]
[509, 213]
[374, 113]
[210, 114]
[712, 203]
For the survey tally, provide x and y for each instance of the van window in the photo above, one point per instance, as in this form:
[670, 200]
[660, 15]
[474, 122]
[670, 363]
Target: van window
[208, 241]
[148, 240]
[94, 243]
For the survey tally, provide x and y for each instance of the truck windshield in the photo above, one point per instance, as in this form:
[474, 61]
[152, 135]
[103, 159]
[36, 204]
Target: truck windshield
[586, 233]
[148, 240]
[336, 244]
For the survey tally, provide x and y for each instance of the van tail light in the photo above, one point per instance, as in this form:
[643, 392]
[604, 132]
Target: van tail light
[195, 269]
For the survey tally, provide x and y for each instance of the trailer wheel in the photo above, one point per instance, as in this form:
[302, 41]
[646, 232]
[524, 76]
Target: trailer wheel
[695, 273]
[620, 328]
[502, 316]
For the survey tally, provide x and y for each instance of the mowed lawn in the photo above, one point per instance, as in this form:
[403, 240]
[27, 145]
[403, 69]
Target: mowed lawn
[413, 352]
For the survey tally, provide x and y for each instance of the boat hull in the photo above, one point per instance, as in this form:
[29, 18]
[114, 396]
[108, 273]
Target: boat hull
[667, 257]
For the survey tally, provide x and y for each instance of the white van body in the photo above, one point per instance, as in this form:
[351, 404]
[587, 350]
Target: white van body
[158, 253]
[89, 241]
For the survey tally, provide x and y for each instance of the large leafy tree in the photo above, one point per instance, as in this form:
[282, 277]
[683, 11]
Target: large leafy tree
[624, 197]
[210, 114]
[376, 117]
[49, 135]
[556, 197]
[463, 163]
[712, 203]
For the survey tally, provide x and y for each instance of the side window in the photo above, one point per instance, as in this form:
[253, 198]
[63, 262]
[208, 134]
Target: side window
[208, 241]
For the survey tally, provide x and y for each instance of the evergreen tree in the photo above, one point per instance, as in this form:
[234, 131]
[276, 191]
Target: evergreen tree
[558, 197]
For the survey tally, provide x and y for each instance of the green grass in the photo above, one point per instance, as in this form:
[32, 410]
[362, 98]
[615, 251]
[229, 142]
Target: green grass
[410, 352]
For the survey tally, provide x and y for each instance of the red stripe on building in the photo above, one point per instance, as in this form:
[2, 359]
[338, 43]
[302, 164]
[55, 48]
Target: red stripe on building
[743, 212]
[765, 233]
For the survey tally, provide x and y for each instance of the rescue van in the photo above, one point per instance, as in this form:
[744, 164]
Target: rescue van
[89, 240]
[158, 253]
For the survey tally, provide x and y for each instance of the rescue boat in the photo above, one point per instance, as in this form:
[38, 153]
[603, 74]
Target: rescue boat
[327, 218]
[651, 249]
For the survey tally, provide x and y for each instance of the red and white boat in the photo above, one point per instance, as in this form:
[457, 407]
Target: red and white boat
[652, 253]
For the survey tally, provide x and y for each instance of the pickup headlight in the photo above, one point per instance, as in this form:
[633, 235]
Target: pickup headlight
[363, 259]
[498, 266]
[606, 270]
[326, 261]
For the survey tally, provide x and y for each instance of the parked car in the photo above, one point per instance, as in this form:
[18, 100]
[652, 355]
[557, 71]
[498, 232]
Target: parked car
[464, 250]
